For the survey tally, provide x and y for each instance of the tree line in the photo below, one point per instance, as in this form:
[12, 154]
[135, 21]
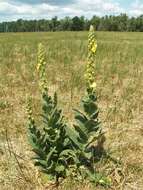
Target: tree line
[106, 23]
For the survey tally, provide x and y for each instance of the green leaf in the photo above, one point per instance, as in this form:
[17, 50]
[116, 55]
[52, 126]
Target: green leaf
[41, 162]
[80, 116]
[82, 132]
[67, 152]
[60, 168]
[50, 154]
[95, 115]
[74, 137]
[88, 155]
[90, 108]
[92, 125]
[55, 99]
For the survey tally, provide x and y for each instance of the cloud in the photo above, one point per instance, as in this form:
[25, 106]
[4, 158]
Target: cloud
[14, 11]
[36, 9]
[101, 7]
[51, 2]
[136, 8]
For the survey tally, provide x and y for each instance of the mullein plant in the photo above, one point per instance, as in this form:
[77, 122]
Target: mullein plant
[87, 125]
[49, 142]
[62, 150]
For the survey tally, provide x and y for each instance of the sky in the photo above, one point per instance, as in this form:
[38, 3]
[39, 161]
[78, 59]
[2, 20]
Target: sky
[37, 9]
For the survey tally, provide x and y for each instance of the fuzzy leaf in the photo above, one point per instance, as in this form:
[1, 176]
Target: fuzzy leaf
[60, 168]
[74, 137]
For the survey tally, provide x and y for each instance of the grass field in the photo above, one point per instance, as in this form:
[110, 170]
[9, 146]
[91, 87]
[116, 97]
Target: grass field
[119, 75]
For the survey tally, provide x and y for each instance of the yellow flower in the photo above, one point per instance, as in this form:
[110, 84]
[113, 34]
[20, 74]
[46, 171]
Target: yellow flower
[94, 47]
[38, 67]
[90, 68]
[93, 86]
[41, 67]
[41, 58]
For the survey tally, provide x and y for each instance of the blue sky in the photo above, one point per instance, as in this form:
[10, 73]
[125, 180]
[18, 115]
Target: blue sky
[36, 9]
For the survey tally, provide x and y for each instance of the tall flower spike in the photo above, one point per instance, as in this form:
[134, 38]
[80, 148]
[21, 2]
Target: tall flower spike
[41, 66]
[90, 68]
[29, 111]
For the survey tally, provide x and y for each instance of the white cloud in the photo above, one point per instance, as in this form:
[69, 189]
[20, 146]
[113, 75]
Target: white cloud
[10, 10]
[18, 9]
[136, 8]
[13, 11]
[101, 7]
[6, 7]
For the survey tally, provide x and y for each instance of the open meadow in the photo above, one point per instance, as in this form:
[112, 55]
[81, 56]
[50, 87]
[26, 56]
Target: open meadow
[119, 76]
